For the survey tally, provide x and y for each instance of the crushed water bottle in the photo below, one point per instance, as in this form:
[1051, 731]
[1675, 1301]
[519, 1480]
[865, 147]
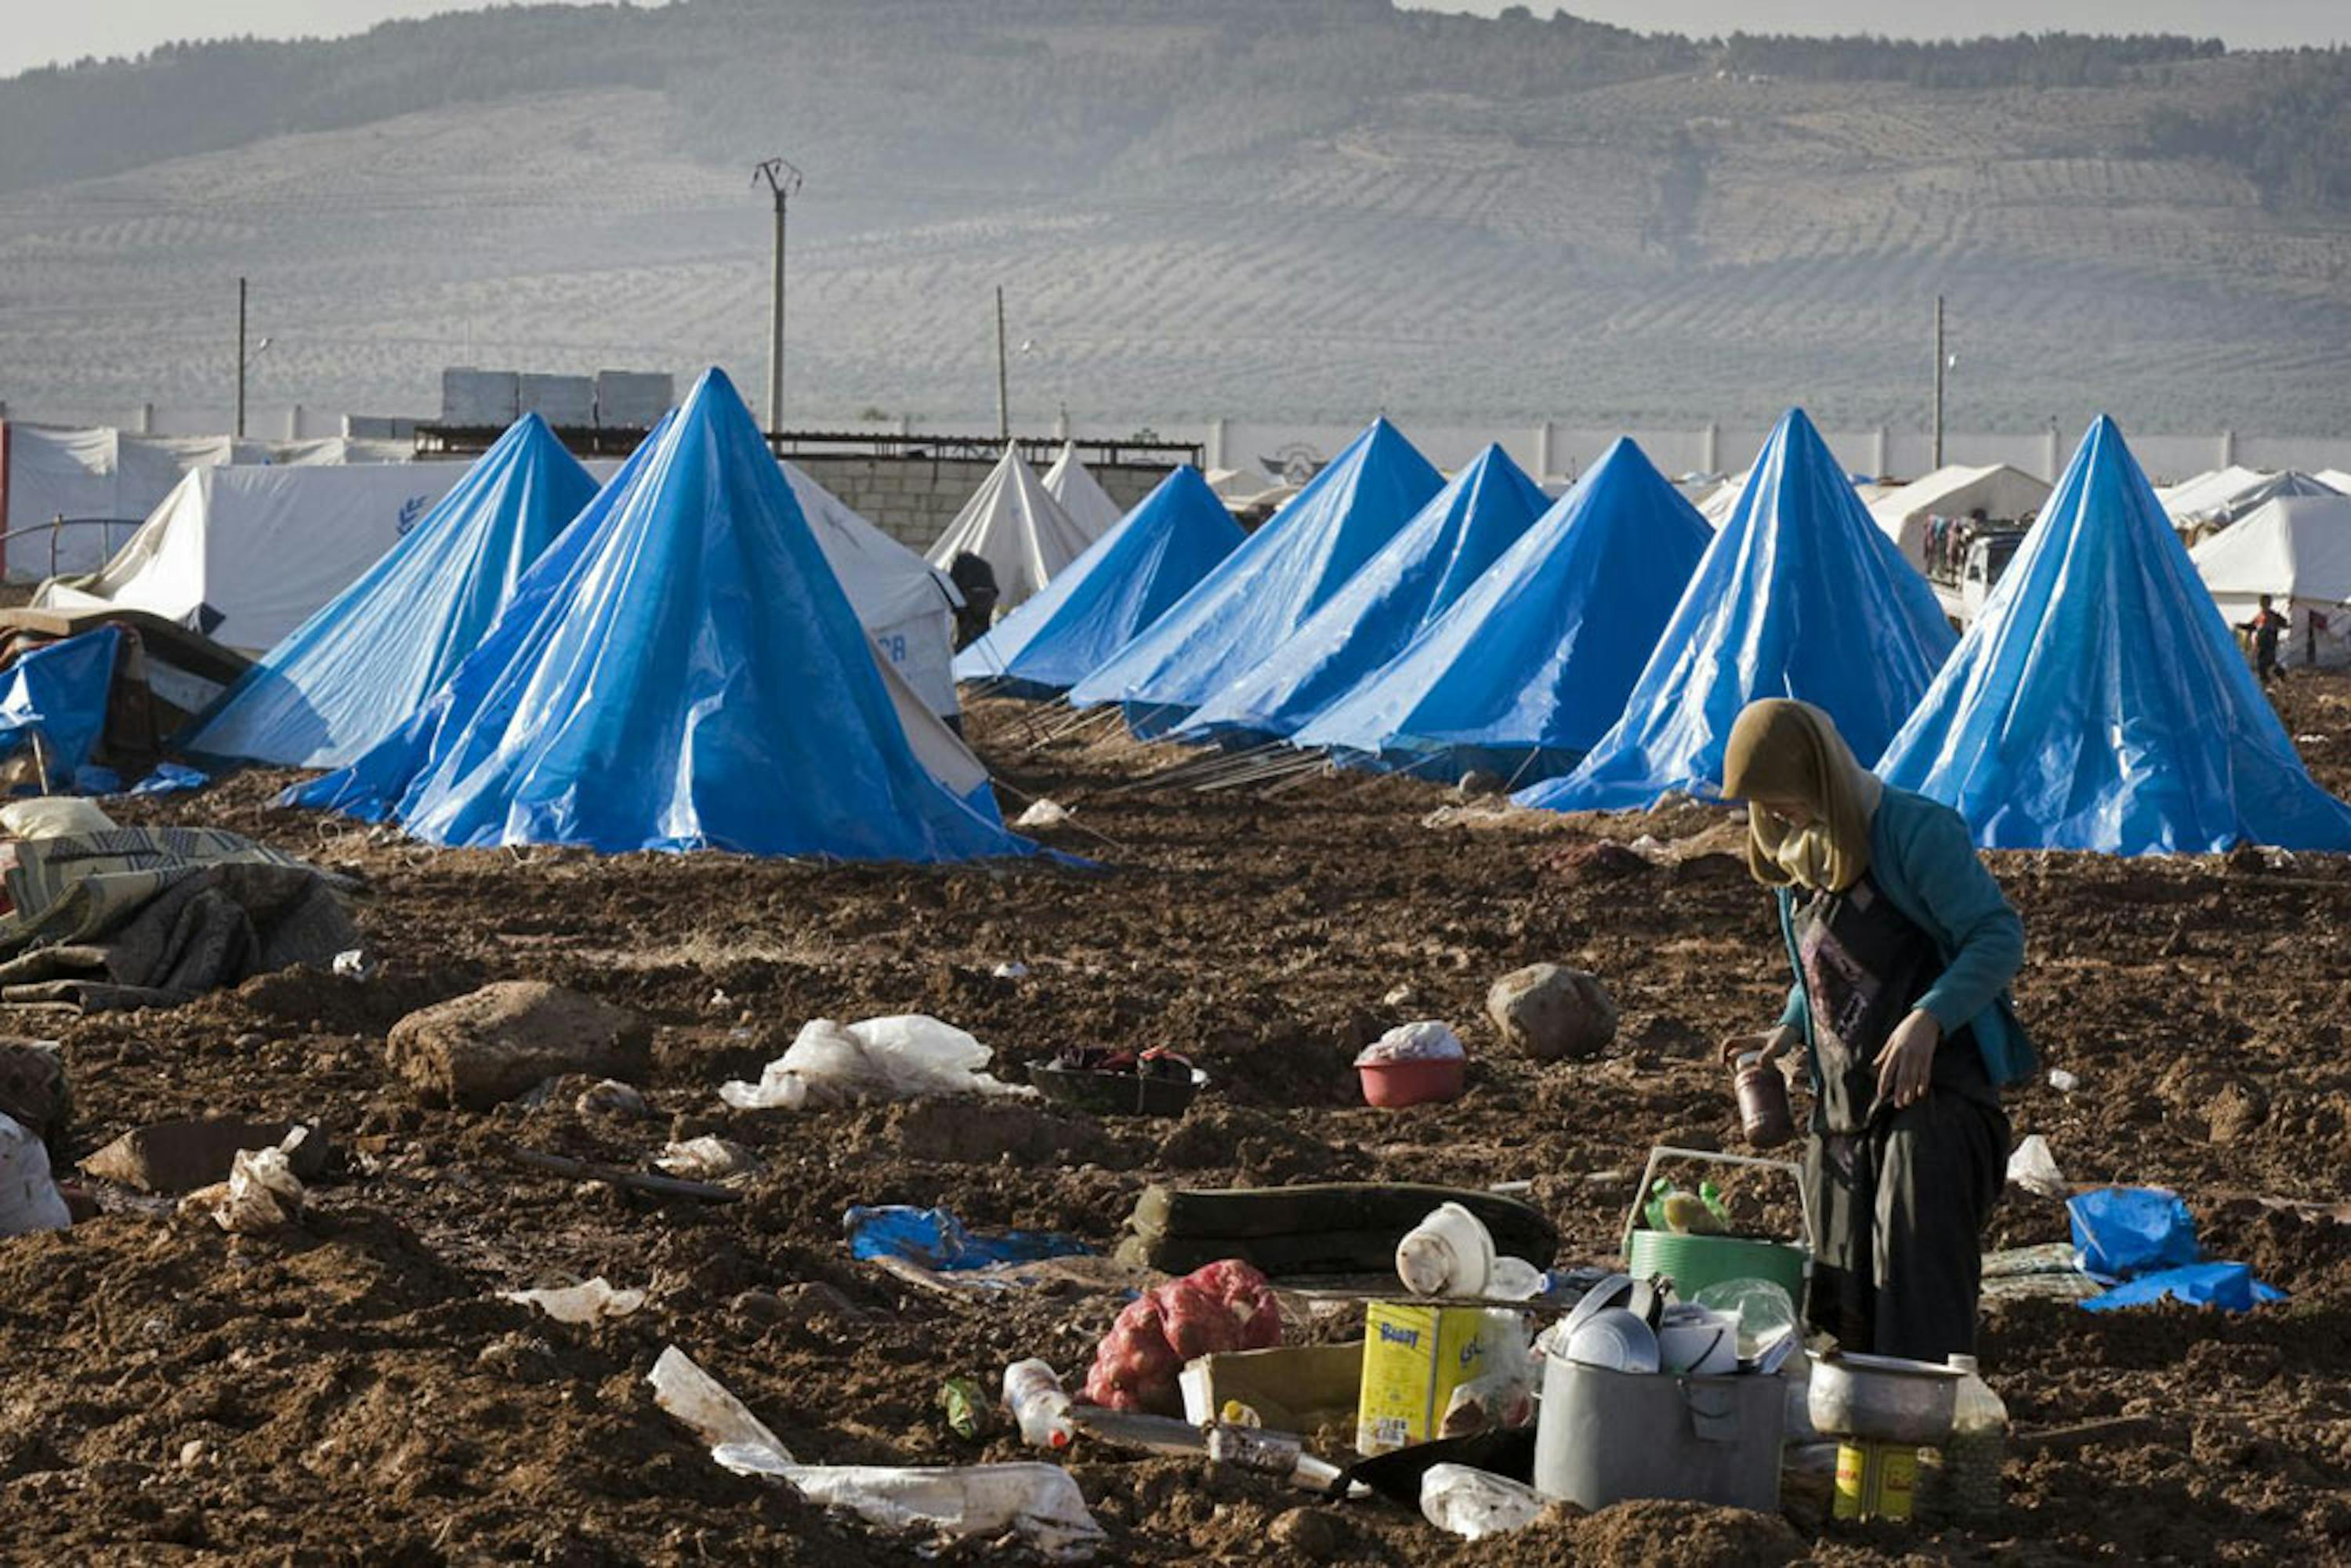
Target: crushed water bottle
[1039, 1404]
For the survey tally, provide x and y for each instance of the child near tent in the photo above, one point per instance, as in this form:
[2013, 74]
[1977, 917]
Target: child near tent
[1903, 945]
[2265, 628]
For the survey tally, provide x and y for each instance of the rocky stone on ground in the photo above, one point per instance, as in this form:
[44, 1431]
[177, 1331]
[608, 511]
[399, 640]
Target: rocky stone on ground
[491, 1045]
[1550, 1012]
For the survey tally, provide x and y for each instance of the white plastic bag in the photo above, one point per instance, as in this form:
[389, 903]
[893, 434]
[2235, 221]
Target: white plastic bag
[707, 1159]
[1043, 813]
[2034, 1169]
[30, 1199]
[903, 1057]
[262, 1192]
[1475, 1504]
[1040, 1502]
[581, 1303]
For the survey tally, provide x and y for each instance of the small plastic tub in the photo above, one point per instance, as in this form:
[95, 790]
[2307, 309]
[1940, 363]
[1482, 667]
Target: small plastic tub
[1396, 1083]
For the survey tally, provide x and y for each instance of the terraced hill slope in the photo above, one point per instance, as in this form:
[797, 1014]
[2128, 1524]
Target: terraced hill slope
[1304, 209]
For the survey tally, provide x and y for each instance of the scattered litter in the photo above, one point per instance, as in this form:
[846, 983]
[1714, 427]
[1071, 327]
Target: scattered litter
[1040, 1503]
[707, 1159]
[902, 1057]
[1475, 1504]
[1010, 971]
[262, 1193]
[965, 1404]
[1451, 1253]
[718, 1417]
[1038, 1403]
[1397, 997]
[353, 964]
[613, 1098]
[2034, 1169]
[592, 1300]
[181, 1156]
[1043, 813]
[2063, 1082]
[935, 1238]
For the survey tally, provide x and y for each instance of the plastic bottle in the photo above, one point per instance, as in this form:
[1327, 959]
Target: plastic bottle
[1711, 1196]
[1655, 1210]
[1038, 1404]
[1977, 1450]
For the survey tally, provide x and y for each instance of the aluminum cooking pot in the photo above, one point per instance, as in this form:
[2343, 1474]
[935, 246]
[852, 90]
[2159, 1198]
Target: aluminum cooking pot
[1882, 1399]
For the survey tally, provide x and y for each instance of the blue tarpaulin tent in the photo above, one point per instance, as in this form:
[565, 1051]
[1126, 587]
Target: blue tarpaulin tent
[1265, 590]
[1533, 662]
[1418, 574]
[680, 671]
[1097, 604]
[2100, 703]
[1799, 595]
[369, 657]
[57, 695]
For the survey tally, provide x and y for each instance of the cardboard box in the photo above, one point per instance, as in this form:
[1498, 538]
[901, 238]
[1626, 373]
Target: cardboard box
[1415, 1356]
[1293, 1388]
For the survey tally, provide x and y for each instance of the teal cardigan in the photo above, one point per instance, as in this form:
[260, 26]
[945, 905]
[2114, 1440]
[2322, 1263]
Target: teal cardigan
[1926, 865]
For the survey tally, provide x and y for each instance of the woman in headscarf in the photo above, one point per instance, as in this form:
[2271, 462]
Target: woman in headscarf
[1902, 947]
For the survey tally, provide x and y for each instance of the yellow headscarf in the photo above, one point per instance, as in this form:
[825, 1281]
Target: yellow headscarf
[1791, 751]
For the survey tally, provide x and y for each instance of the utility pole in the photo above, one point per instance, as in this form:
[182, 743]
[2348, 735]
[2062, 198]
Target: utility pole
[240, 358]
[1003, 396]
[1939, 362]
[784, 181]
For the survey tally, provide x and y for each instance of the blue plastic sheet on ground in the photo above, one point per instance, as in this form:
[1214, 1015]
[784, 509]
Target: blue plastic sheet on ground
[2100, 702]
[1533, 662]
[1125, 580]
[369, 657]
[1416, 575]
[2228, 1286]
[680, 669]
[1800, 595]
[170, 779]
[2122, 1232]
[59, 693]
[1260, 593]
[935, 1238]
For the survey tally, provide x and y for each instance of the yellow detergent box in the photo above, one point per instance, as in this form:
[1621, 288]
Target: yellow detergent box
[1415, 1356]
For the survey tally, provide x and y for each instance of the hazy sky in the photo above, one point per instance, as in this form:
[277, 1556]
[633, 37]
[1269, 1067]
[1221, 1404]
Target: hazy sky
[39, 31]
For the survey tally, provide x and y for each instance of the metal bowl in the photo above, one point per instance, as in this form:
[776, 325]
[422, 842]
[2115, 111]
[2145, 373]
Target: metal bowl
[1882, 1399]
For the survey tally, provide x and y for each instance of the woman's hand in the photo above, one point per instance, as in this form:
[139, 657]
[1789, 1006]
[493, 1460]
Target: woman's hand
[1768, 1043]
[1907, 1062]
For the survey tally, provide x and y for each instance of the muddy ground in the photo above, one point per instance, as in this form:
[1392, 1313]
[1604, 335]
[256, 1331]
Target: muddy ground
[355, 1392]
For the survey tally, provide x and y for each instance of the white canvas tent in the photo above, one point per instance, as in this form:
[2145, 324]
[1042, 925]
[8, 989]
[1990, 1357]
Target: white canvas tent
[905, 605]
[49, 471]
[2334, 479]
[1954, 491]
[2297, 550]
[1011, 523]
[1718, 503]
[1080, 494]
[2224, 494]
[246, 554]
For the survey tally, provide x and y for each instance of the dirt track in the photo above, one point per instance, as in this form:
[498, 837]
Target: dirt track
[356, 1393]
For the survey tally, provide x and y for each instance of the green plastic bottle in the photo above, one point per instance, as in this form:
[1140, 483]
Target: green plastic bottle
[1711, 1196]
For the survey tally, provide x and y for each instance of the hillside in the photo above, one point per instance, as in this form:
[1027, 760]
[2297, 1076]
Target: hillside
[1303, 209]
